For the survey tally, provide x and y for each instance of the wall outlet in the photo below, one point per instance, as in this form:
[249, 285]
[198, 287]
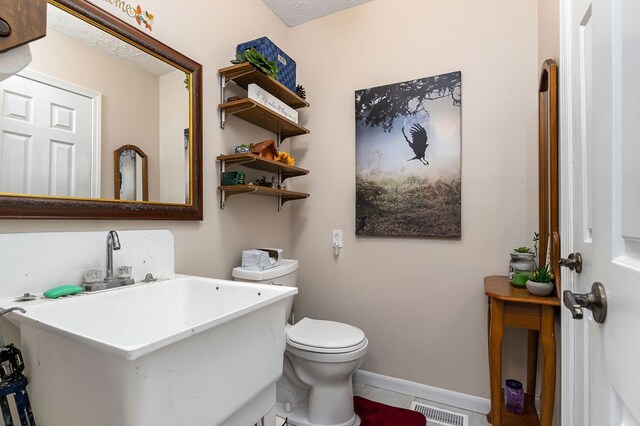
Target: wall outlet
[336, 238]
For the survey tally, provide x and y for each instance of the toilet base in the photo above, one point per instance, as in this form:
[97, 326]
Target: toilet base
[298, 416]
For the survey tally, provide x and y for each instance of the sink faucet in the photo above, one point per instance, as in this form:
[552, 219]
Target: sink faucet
[113, 243]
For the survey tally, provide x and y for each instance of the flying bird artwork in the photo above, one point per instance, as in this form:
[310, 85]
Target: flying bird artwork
[418, 143]
[396, 196]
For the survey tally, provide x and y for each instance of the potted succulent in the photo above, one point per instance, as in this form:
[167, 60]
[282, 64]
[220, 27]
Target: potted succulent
[256, 59]
[540, 282]
[522, 263]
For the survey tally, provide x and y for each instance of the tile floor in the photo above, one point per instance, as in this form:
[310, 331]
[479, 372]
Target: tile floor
[404, 401]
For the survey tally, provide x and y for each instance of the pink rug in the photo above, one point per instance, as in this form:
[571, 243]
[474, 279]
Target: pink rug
[376, 414]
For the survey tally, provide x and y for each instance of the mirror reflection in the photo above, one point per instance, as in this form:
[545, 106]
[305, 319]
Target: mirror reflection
[131, 174]
[85, 94]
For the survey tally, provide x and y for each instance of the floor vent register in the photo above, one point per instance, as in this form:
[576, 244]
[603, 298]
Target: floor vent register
[440, 416]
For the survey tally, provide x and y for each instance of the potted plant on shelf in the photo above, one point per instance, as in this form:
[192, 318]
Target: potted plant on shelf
[256, 59]
[540, 282]
[521, 265]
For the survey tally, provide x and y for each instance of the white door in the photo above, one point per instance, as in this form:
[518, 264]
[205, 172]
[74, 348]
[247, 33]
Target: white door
[48, 139]
[601, 181]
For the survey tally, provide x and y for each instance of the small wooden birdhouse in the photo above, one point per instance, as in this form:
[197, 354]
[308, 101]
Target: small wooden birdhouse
[266, 149]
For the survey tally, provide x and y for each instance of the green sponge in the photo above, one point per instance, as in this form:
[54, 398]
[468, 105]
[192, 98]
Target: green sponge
[63, 290]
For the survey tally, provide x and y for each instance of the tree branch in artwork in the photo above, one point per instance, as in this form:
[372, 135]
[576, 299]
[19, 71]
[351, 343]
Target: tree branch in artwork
[380, 106]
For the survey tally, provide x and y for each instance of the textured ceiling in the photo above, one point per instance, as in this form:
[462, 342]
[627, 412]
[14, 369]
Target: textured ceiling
[296, 12]
[80, 31]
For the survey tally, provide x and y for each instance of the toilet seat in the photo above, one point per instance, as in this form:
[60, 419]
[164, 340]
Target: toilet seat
[325, 337]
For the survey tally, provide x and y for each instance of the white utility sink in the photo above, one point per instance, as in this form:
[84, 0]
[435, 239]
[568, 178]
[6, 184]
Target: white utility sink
[185, 351]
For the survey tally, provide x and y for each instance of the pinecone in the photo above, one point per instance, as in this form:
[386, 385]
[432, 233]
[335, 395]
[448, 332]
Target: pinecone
[301, 92]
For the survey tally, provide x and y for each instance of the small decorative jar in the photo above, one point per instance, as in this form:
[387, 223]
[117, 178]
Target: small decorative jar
[242, 149]
[520, 266]
[514, 396]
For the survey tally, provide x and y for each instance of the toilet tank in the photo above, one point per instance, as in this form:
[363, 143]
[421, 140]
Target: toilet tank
[284, 274]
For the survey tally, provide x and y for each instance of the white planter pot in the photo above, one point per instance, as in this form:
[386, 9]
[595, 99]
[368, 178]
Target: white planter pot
[540, 289]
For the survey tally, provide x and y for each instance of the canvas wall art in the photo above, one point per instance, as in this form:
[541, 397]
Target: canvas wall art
[408, 181]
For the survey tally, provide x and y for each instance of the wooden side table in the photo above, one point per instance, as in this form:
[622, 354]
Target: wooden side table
[515, 307]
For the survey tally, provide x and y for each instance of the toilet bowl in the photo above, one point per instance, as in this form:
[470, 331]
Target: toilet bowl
[319, 362]
[322, 356]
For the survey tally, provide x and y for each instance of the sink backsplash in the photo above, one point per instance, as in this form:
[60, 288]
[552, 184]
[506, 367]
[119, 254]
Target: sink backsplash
[35, 262]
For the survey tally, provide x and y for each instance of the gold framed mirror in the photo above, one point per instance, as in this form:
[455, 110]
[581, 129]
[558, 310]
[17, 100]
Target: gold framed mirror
[156, 105]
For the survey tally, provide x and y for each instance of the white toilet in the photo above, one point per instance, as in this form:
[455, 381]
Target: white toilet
[320, 358]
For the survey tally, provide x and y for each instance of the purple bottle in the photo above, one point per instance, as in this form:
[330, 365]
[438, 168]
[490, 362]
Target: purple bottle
[514, 396]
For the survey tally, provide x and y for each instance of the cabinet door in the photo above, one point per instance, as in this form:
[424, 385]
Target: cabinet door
[23, 22]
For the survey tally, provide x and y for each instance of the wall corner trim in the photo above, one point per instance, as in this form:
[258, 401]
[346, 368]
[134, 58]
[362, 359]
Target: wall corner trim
[442, 396]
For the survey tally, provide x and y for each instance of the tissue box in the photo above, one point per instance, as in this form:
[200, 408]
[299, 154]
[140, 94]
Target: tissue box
[261, 259]
[274, 254]
[287, 73]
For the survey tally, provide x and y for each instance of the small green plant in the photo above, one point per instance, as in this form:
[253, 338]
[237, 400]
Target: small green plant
[536, 238]
[522, 250]
[541, 275]
[256, 59]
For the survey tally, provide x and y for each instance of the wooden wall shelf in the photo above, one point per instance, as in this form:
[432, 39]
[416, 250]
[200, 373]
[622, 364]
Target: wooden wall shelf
[245, 74]
[282, 194]
[261, 116]
[256, 162]
[255, 113]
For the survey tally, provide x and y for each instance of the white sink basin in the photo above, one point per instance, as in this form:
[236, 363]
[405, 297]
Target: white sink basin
[186, 351]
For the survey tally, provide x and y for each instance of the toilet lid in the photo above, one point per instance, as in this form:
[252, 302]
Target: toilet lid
[325, 336]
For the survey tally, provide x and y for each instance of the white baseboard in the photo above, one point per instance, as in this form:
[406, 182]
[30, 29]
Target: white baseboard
[442, 396]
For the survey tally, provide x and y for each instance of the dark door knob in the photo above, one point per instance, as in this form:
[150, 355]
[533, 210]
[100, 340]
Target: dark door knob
[595, 301]
[573, 262]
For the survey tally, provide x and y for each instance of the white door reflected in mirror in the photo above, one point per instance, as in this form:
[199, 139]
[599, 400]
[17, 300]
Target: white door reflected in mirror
[49, 137]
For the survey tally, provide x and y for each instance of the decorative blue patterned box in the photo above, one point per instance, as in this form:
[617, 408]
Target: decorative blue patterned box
[287, 73]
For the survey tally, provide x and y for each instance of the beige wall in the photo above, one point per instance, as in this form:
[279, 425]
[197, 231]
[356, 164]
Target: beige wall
[420, 301]
[548, 30]
[129, 99]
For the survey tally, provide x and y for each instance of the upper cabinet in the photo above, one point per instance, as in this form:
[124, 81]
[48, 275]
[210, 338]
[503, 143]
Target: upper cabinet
[21, 22]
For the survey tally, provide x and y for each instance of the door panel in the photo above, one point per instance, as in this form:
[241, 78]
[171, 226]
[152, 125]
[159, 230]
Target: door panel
[15, 162]
[582, 168]
[58, 125]
[605, 89]
[629, 12]
[61, 171]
